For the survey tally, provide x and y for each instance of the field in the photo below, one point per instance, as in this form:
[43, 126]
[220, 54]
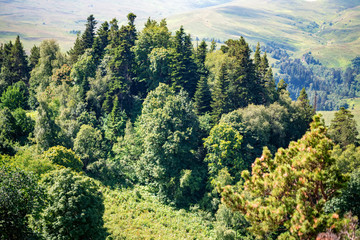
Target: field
[354, 107]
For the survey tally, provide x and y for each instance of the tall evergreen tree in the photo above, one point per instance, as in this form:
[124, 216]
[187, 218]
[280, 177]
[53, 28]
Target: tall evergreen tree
[257, 57]
[34, 56]
[343, 128]
[202, 97]
[77, 50]
[19, 63]
[89, 33]
[184, 70]
[244, 87]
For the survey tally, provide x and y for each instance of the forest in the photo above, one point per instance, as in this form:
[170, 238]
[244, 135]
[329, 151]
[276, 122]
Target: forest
[149, 135]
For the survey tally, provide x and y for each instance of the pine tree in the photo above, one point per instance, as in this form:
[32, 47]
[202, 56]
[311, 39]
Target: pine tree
[202, 97]
[343, 128]
[184, 70]
[213, 45]
[88, 36]
[34, 56]
[257, 57]
[286, 195]
[100, 42]
[282, 86]
[244, 86]
[19, 63]
[77, 50]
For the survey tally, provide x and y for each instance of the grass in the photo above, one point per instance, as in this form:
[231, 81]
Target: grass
[354, 107]
[138, 214]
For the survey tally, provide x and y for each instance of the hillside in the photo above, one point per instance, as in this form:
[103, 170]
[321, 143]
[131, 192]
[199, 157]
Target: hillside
[327, 28]
[35, 21]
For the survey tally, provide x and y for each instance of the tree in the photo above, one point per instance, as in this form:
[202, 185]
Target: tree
[343, 128]
[73, 209]
[46, 130]
[219, 103]
[19, 196]
[286, 195]
[223, 150]
[34, 57]
[88, 36]
[64, 157]
[184, 70]
[115, 122]
[15, 96]
[87, 145]
[7, 131]
[169, 129]
[202, 97]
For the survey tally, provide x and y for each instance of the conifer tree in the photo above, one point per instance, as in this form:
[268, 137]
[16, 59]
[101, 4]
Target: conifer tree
[343, 128]
[19, 63]
[202, 97]
[257, 57]
[34, 56]
[286, 195]
[77, 50]
[213, 45]
[281, 86]
[89, 34]
[184, 71]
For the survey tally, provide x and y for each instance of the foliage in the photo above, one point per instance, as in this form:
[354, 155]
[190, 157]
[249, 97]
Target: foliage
[223, 150]
[64, 157]
[343, 128]
[87, 144]
[73, 209]
[19, 196]
[15, 96]
[167, 152]
[137, 214]
[287, 194]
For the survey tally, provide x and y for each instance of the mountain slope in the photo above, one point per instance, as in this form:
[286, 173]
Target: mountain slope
[328, 28]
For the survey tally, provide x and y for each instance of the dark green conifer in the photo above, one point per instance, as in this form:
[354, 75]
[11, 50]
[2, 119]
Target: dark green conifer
[89, 33]
[202, 97]
[34, 56]
[184, 70]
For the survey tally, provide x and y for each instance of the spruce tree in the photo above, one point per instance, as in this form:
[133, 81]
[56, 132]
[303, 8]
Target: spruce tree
[77, 50]
[184, 70]
[257, 57]
[202, 97]
[34, 56]
[19, 63]
[343, 128]
[88, 36]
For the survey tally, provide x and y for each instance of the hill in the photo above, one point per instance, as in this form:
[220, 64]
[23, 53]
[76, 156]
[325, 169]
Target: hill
[329, 29]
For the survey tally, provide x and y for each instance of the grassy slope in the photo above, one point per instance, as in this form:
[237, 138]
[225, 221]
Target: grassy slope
[354, 107]
[137, 214]
[335, 41]
[36, 20]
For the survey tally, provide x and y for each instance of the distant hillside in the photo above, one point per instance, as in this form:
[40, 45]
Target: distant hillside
[36, 20]
[328, 28]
